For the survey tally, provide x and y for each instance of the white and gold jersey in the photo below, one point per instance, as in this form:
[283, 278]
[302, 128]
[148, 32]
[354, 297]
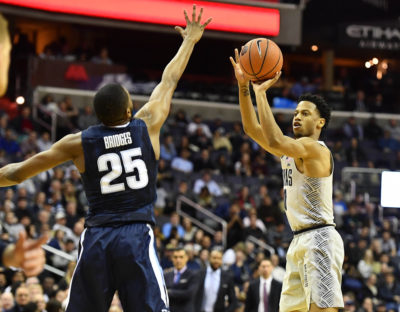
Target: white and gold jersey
[308, 201]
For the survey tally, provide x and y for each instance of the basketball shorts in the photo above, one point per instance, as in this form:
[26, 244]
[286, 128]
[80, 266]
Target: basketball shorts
[119, 259]
[313, 271]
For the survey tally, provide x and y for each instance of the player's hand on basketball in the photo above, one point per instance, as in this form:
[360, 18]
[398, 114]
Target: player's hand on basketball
[242, 80]
[194, 29]
[265, 85]
[26, 254]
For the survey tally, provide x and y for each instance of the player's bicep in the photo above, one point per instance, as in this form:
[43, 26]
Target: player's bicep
[300, 148]
[59, 153]
[156, 110]
[258, 136]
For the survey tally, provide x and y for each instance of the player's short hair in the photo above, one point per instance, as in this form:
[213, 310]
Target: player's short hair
[110, 103]
[323, 107]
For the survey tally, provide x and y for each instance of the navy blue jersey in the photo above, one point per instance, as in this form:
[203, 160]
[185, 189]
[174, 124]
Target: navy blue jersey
[120, 174]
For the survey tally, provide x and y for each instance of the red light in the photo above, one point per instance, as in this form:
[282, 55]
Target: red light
[226, 17]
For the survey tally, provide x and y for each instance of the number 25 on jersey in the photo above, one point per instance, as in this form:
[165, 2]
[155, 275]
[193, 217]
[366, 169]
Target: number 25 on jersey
[119, 164]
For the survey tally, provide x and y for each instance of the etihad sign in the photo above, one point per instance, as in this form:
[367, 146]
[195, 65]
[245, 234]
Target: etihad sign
[373, 32]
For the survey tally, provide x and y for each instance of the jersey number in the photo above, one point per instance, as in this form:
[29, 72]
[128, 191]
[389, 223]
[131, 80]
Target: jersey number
[137, 181]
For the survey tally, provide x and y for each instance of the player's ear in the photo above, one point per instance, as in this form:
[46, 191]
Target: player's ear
[321, 123]
[129, 112]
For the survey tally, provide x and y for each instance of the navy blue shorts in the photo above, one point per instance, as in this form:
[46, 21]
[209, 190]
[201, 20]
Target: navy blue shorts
[122, 259]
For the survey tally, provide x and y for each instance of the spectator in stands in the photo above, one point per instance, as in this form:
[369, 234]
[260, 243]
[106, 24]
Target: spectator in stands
[301, 87]
[167, 148]
[264, 293]
[216, 292]
[349, 302]
[270, 213]
[102, 57]
[240, 269]
[223, 165]
[9, 144]
[236, 135]
[44, 142]
[182, 163]
[360, 103]
[29, 144]
[367, 305]
[372, 130]
[339, 207]
[259, 223]
[206, 180]
[389, 291]
[243, 166]
[367, 265]
[355, 153]
[173, 223]
[87, 119]
[388, 244]
[181, 283]
[197, 123]
[252, 229]
[21, 298]
[351, 129]
[7, 301]
[204, 161]
[387, 144]
[245, 200]
[47, 53]
[278, 272]
[377, 104]
[235, 226]
[394, 128]
[221, 141]
[23, 122]
[199, 139]
[370, 289]
[190, 230]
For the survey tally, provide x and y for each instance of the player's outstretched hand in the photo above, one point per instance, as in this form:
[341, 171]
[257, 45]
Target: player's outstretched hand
[26, 254]
[194, 30]
[242, 80]
[265, 85]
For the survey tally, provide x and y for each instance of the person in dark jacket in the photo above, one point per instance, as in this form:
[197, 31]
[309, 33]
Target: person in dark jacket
[181, 283]
[216, 291]
[264, 293]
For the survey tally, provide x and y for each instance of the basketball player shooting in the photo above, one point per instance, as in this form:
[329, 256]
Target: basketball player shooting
[315, 256]
[118, 164]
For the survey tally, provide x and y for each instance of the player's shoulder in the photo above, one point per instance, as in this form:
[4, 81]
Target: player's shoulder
[71, 143]
[311, 143]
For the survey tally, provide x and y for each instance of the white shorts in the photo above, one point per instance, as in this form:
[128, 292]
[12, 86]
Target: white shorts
[313, 271]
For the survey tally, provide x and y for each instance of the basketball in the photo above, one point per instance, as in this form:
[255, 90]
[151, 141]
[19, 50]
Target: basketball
[260, 59]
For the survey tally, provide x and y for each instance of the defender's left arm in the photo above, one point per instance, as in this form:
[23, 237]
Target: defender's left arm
[155, 112]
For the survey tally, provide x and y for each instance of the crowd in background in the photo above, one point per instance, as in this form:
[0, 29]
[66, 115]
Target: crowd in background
[214, 164]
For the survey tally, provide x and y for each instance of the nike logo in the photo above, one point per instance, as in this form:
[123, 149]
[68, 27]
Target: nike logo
[258, 46]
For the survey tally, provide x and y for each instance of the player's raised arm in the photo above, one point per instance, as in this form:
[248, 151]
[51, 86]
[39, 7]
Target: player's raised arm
[251, 125]
[304, 147]
[5, 48]
[68, 148]
[156, 110]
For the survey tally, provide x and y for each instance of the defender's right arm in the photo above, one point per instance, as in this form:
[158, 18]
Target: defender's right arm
[68, 148]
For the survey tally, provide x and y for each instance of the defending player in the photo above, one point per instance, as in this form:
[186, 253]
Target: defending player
[118, 164]
[315, 256]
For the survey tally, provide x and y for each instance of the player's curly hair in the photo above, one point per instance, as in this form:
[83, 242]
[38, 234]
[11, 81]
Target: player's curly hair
[323, 107]
[110, 103]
